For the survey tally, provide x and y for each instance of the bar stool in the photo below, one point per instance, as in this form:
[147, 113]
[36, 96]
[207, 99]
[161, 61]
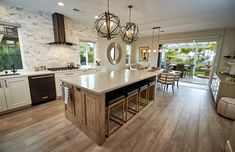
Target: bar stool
[142, 91]
[130, 92]
[112, 100]
[151, 86]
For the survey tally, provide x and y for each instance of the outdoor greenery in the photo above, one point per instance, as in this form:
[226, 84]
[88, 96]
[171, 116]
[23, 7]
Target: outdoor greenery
[86, 50]
[10, 56]
[185, 55]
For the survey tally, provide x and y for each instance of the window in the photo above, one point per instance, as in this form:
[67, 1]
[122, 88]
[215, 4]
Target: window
[128, 54]
[87, 53]
[9, 48]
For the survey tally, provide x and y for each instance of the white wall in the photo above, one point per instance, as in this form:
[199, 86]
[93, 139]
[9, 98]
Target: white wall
[36, 32]
[102, 53]
[142, 42]
[228, 45]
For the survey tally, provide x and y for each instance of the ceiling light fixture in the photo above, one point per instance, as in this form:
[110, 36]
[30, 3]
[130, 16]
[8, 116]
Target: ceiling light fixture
[76, 10]
[153, 48]
[130, 31]
[60, 3]
[107, 24]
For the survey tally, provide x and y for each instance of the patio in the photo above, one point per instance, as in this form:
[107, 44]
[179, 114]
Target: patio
[195, 80]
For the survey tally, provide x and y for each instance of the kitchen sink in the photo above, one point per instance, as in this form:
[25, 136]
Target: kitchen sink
[9, 74]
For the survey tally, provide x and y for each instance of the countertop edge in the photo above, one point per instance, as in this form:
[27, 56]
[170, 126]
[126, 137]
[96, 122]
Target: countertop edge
[107, 90]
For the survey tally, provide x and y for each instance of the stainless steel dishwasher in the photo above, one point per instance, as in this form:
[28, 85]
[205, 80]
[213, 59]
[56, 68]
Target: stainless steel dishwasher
[42, 88]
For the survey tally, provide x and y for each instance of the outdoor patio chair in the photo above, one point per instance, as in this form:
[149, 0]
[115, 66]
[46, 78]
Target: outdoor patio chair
[180, 67]
[189, 71]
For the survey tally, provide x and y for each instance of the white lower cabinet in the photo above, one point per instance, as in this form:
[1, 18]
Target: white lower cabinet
[3, 102]
[60, 75]
[16, 92]
[65, 74]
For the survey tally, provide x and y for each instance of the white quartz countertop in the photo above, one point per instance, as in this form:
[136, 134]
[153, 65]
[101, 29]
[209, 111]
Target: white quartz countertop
[107, 81]
[24, 73]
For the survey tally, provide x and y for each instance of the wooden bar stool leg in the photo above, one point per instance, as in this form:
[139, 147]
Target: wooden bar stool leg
[123, 108]
[146, 96]
[126, 109]
[138, 99]
[137, 106]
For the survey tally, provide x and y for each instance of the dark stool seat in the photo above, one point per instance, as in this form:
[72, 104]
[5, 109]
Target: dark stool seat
[150, 82]
[128, 91]
[141, 86]
[113, 97]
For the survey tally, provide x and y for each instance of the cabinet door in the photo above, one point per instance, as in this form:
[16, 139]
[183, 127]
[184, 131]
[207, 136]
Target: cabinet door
[3, 103]
[78, 105]
[17, 92]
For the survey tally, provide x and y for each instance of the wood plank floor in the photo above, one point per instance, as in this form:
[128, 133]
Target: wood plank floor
[183, 121]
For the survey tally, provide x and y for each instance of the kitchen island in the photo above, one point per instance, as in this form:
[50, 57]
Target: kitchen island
[86, 109]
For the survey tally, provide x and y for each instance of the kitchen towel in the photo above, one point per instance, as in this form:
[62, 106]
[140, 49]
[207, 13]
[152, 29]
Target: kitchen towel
[66, 94]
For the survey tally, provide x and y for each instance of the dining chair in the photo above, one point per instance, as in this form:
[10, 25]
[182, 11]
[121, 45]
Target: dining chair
[177, 78]
[167, 79]
[189, 71]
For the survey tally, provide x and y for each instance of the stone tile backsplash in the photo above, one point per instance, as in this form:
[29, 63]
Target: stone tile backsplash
[36, 31]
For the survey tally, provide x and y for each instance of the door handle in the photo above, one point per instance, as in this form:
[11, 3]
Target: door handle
[46, 97]
[0, 84]
[5, 83]
[69, 74]
[40, 77]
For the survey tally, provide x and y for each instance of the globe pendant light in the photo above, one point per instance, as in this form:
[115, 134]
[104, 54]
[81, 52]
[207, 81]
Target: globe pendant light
[130, 31]
[107, 24]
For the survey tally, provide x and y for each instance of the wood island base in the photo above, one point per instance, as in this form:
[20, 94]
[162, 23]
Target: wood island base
[86, 110]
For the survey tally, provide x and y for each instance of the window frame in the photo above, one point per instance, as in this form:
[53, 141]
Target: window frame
[17, 31]
[126, 53]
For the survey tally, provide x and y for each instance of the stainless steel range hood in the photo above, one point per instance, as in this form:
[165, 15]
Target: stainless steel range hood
[59, 30]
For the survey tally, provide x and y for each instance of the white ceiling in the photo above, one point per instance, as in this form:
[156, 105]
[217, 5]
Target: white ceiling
[172, 15]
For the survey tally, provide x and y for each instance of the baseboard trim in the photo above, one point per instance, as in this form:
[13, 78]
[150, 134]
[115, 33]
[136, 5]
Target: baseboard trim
[228, 147]
[14, 110]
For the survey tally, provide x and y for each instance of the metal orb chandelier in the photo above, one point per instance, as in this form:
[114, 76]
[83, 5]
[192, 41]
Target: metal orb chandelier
[130, 31]
[107, 24]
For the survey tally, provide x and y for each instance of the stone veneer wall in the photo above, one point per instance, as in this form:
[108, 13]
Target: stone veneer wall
[36, 31]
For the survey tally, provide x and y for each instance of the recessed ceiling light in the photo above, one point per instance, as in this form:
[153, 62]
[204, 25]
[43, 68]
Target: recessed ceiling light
[60, 3]
[96, 17]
